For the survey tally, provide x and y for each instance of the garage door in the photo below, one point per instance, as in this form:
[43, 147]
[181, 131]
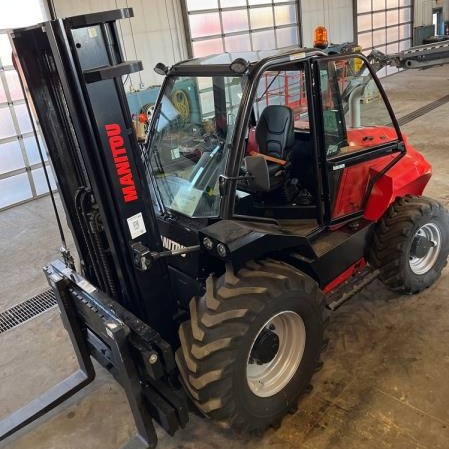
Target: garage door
[385, 25]
[240, 25]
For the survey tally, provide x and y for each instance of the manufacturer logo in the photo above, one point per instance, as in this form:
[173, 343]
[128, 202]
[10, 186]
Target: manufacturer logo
[171, 245]
[121, 162]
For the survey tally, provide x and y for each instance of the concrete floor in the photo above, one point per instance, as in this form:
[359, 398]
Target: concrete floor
[384, 381]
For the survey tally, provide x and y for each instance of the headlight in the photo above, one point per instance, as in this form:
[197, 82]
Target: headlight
[222, 250]
[208, 243]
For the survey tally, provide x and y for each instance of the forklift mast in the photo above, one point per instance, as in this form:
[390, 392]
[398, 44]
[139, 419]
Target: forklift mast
[113, 310]
[74, 68]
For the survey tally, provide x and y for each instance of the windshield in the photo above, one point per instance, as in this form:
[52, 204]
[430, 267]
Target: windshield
[188, 150]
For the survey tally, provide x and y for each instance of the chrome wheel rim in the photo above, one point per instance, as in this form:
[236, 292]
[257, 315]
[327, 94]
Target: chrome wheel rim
[267, 379]
[423, 264]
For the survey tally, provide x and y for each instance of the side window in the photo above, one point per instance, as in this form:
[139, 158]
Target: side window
[354, 114]
[284, 87]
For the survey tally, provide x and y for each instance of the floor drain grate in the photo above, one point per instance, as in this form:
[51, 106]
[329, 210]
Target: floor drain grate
[26, 310]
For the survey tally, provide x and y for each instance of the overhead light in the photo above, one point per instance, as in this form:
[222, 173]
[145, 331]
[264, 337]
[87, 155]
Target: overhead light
[239, 66]
[161, 69]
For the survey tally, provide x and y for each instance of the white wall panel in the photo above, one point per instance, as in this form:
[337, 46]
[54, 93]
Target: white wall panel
[336, 16]
[423, 12]
[157, 27]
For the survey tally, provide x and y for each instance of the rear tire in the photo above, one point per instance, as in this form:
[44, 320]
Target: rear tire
[411, 244]
[252, 344]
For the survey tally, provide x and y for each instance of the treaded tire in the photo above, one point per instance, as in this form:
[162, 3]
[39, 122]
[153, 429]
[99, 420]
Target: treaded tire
[216, 342]
[393, 239]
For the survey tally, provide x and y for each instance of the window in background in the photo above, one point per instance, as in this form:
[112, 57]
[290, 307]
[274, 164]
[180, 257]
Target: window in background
[21, 13]
[240, 25]
[385, 25]
[21, 170]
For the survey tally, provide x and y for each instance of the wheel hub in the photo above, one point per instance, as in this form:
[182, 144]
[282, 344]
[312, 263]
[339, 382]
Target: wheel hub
[425, 248]
[420, 246]
[265, 347]
[275, 354]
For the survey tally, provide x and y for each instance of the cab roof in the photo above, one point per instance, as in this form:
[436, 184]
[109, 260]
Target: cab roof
[220, 63]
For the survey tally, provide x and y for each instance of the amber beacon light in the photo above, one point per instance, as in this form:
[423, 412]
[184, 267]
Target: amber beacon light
[320, 39]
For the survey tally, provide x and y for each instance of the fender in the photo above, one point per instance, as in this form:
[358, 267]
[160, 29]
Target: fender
[409, 176]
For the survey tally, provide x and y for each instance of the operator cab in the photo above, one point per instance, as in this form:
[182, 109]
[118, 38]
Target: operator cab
[314, 128]
[279, 132]
[341, 137]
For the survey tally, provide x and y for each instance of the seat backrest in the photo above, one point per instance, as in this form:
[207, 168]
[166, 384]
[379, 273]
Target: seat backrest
[274, 131]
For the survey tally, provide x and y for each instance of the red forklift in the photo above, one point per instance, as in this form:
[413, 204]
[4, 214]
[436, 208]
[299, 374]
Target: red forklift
[272, 186]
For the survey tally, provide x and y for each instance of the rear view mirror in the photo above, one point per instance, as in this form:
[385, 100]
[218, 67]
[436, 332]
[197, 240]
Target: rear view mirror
[258, 176]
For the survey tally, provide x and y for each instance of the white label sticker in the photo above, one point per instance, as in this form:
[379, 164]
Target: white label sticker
[136, 225]
[186, 200]
[92, 32]
[338, 167]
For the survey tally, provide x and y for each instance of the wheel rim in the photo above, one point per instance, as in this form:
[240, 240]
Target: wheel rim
[267, 379]
[422, 264]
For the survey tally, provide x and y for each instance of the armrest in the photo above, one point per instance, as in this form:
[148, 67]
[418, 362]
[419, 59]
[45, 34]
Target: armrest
[269, 158]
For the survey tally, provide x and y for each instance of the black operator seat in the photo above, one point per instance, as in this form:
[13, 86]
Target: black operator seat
[275, 137]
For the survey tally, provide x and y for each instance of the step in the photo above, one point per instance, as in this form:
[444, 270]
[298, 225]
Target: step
[350, 287]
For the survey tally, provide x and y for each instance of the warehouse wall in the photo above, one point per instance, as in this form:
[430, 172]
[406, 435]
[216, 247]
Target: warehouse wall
[159, 31]
[423, 11]
[445, 5]
[337, 17]
[157, 27]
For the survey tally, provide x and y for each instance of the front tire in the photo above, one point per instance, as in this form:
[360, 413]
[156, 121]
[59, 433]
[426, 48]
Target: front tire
[411, 244]
[252, 344]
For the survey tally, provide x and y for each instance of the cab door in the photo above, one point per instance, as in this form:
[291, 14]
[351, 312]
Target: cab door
[358, 135]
